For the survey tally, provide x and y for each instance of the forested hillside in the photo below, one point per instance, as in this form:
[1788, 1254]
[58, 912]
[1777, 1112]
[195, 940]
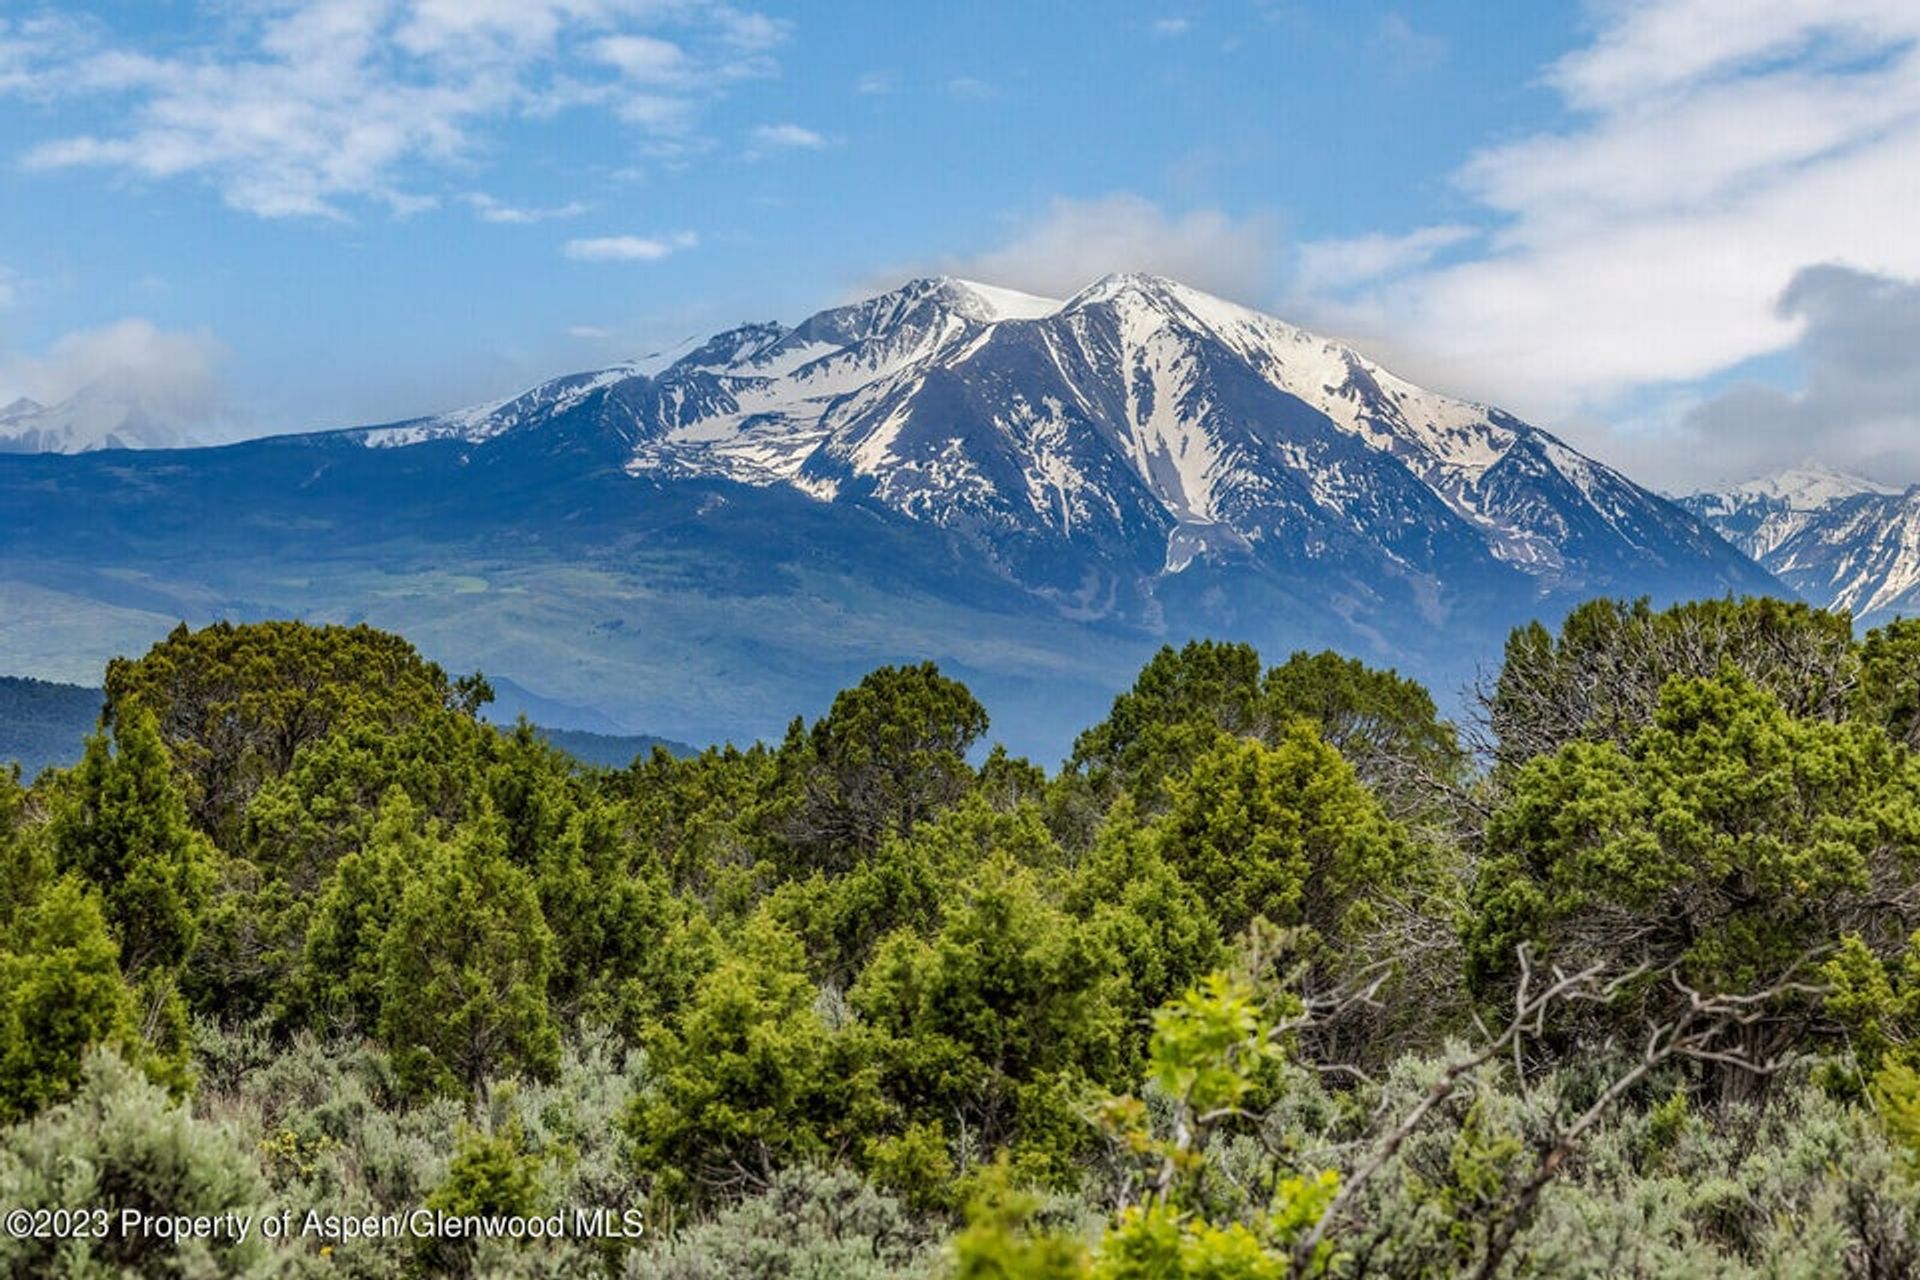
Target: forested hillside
[43, 723]
[1278, 975]
[610, 750]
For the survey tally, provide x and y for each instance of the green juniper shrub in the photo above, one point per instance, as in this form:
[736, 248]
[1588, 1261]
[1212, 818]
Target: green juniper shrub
[1240, 991]
[236, 703]
[465, 966]
[1001, 1022]
[1724, 849]
[752, 1078]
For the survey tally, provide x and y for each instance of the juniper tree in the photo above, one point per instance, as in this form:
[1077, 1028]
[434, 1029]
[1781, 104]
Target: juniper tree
[465, 965]
[121, 824]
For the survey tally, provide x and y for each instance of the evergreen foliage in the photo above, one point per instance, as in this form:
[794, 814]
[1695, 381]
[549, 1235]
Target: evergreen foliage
[121, 825]
[464, 966]
[1601, 675]
[1284, 832]
[236, 703]
[1272, 979]
[61, 993]
[1728, 846]
[890, 754]
[755, 1078]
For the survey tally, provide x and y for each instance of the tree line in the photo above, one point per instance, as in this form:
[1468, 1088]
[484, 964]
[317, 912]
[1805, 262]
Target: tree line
[1278, 974]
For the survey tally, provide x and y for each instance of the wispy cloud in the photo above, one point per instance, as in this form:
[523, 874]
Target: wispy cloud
[629, 248]
[973, 89]
[647, 60]
[789, 137]
[27, 43]
[875, 82]
[170, 376]
[1718, 147]
[1072, 243]
[1334, 266]
[752, 31]
[297, 110]
[1406, 49]
[1165, 27]
[589, 332]
[489, 209]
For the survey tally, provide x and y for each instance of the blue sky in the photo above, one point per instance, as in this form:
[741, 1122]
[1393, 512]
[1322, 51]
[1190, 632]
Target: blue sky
[276, 216]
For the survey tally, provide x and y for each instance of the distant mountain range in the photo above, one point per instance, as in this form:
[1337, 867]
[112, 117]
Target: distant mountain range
[1837, 540]
[1034, 492]
[45, 724]
[1142, 421]
[103, 414]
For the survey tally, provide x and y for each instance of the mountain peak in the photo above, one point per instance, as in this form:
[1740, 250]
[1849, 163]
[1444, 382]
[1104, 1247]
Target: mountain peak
[1141, 421]
[986, 303]
[948, 459]
[1807, 487]
[1840, 540]
[742, 342]
[1805, 524]
[722, 348]
[1116, 283]
[106, 413]
[1143, 292]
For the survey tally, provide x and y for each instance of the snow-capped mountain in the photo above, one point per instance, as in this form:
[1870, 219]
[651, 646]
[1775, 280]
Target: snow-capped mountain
[101, 415]
[1759, 516]
[1035, 492]
[1140, 419]
[1841, 541]
[19, 410]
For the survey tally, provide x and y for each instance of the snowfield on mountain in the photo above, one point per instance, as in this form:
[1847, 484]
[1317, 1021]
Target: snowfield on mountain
[1035, 491]
[1841, 541]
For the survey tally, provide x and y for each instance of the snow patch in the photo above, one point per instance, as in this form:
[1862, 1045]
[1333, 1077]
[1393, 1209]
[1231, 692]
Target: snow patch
[1807, 487]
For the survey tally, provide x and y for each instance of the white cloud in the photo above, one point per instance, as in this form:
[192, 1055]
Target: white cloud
[589, 332]
[1407, 50]
[491, 210]
[646, 59]
[1074, 242]
[1651, 48]
[128, 370]
[294, 110]
[1171, 26]
[752, 31]
[1334, 266]
[26, 43]
[973, 89]
[874, 82]
[789, 137]
[175, 367]
[629, 248]
[1718, 147]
